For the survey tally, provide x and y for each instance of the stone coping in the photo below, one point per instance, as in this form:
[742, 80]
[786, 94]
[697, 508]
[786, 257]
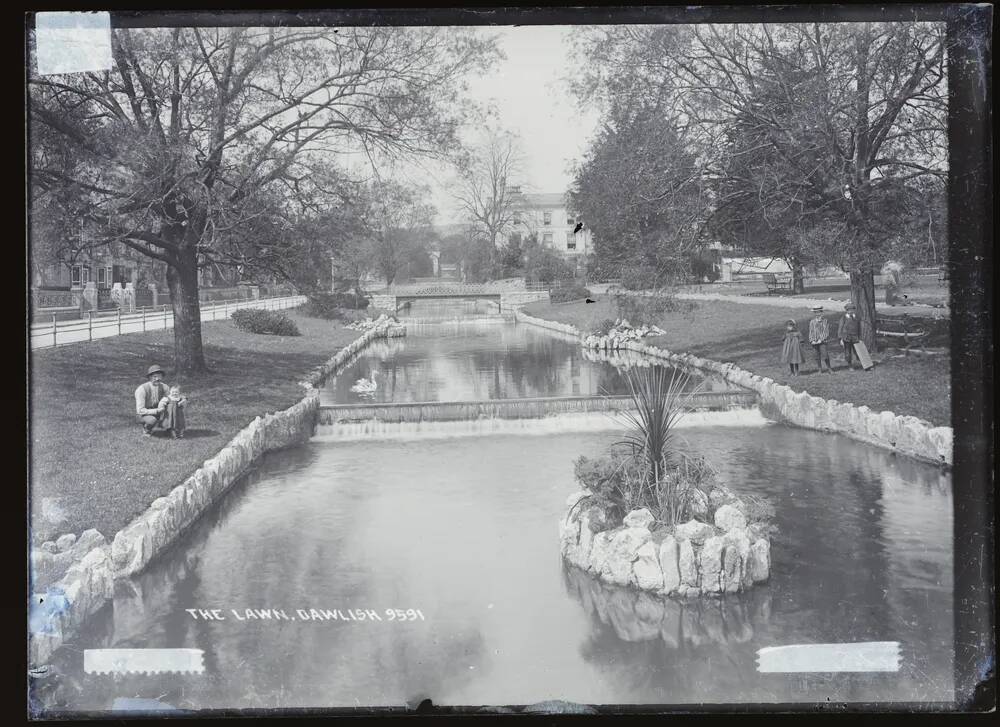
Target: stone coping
[92, 564]
[899, 433]
[694, 558]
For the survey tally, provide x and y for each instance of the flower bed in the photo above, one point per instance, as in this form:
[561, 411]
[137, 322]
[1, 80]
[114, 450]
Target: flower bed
[726, 548]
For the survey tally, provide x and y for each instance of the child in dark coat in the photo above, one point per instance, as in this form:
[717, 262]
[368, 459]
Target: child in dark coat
[791, 350]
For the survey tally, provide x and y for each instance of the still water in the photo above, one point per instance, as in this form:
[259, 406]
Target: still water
[465, 531]
[477, 360]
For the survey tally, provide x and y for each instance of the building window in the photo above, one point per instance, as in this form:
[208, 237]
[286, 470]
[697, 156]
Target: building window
[547, 218]
[547, 237]
[570, 241]
[74, 275]
[569, 220]
[102, 277]
[86, 274]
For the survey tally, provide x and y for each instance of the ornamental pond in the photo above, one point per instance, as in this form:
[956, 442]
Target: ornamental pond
[461, 528]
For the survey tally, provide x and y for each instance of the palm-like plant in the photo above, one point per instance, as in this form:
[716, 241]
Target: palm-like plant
[661, 397]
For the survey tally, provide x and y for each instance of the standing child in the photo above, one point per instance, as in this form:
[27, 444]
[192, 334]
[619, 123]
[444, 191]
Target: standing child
[172, 406]
[819, 331]
[791, 351]
[849, 333]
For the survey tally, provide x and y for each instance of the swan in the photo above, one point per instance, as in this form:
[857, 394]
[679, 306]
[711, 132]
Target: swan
[366, 386]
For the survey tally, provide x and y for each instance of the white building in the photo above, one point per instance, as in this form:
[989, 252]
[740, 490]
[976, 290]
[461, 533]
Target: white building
[549, 216]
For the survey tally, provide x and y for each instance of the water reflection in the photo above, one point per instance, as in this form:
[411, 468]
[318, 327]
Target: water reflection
[681, 625]
[462, 361]
[473, 361]
[465, 531]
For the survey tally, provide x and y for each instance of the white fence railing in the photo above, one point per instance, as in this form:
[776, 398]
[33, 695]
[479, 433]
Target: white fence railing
[61, 333]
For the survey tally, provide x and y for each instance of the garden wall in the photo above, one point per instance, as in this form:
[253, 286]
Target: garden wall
[903, 434]
[92, 565]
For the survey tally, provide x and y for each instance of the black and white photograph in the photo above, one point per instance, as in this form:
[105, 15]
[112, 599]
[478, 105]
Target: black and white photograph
[527, 361]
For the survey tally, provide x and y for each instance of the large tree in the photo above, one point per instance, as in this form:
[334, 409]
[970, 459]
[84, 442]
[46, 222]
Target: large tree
[819, 138]
[488, 189]
[187, 137]
[400, 222]
[641, 190]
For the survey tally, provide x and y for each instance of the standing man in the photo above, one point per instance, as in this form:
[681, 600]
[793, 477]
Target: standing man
[819, 331]
[147, 400]
[849, 333]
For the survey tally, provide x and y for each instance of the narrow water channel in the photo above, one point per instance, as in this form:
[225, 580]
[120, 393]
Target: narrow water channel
[464, 531]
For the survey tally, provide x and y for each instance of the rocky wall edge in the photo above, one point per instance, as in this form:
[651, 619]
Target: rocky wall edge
[907, 435]
[92, 564]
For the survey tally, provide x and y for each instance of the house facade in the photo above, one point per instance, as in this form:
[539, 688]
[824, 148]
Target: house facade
[549, 216]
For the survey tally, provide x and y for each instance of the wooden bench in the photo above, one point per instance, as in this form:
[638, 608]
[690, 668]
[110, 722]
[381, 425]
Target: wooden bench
[896, 327]
[776, 286]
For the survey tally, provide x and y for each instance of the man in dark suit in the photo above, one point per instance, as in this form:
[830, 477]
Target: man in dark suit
[849, 333]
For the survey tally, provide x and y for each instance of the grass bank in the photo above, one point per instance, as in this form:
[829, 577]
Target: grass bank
[751, 337]
[90, 465]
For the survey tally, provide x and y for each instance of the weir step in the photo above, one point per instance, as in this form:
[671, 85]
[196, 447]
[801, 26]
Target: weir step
[529, 408]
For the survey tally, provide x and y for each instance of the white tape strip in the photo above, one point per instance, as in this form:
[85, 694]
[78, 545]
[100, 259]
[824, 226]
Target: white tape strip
[142, 661]
[72, 42]
[863, 656]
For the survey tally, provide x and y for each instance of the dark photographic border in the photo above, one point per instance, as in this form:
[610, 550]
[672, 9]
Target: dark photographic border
[970, 196]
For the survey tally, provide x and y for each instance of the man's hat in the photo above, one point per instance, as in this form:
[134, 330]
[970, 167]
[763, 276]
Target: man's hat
[817, 309]
[850, 306]
[792, 321]
[154, 369]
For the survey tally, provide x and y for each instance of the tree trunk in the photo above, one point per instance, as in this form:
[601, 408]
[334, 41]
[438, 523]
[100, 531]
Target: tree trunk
[183, 283]
[798, 276]
[863, 296]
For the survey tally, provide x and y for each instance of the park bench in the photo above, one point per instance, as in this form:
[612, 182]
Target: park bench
[776, 286]
[901, 327]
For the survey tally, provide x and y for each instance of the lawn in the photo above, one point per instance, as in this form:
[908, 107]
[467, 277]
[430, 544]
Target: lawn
[923, 289]
[90, 465]
[751, 337]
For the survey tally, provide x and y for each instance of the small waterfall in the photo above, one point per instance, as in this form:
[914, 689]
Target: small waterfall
[527, 408]
[553, 424]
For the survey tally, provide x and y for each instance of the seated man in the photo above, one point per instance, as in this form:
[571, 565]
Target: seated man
[147, 400]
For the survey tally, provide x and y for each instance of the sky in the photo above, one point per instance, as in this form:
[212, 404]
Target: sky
[531, 99]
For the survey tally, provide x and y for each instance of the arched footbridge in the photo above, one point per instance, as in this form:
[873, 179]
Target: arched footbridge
[507, 299]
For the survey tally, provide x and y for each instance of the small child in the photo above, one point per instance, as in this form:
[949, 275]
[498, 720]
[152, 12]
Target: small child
[791, 351]
[172, 406]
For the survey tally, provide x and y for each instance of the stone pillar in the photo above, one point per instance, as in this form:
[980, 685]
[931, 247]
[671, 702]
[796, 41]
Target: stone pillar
[435, 260]
[152, 289]
[89, 297]
[129, 298]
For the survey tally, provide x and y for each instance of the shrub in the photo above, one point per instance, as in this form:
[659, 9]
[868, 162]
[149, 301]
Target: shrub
[331, 306]
[268, 322]
[652, 471]
[649, 309]
[568, 292]
[604, 327]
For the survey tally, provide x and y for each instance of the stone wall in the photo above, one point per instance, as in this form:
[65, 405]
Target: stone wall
[92, 565]
[903, 434]
[691, 559]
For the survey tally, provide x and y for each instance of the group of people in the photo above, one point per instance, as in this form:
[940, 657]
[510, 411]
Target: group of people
[848, 333]
[159, 406]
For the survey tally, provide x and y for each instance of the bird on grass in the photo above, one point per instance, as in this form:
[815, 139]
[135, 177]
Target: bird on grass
[590, 300]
